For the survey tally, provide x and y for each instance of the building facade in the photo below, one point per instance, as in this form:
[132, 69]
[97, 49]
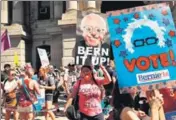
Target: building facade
[15, 18]
[50, 25]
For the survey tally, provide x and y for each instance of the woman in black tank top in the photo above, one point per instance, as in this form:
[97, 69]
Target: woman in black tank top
[124, 104]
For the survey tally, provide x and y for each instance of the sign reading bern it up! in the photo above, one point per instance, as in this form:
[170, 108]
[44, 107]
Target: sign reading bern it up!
[144, 43]
[92, 45]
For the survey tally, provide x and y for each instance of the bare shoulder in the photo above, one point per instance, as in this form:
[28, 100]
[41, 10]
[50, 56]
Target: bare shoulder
[34, 82]
[127, 109]
[128, 114]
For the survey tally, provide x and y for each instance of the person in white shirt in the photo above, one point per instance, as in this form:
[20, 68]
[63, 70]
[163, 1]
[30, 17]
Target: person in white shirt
[10, 87]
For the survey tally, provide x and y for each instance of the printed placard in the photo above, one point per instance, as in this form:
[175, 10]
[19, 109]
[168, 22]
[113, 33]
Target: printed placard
[143, 40]
[92, 44]
[43, 57]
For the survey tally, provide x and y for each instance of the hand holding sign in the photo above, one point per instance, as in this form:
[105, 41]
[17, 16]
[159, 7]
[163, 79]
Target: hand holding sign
[155, 100]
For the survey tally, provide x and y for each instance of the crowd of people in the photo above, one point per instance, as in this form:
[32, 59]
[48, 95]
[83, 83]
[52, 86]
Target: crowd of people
[88, 89]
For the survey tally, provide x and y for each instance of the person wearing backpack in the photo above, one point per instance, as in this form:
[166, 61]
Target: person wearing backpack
[89, 92]
[10, 86]
[28, 89]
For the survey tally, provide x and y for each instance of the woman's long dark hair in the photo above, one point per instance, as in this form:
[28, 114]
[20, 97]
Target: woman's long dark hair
[120, 101]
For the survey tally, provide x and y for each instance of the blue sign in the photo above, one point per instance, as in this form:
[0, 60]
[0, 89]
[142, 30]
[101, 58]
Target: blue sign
[41, 97]
[144, 44]
[171, 116]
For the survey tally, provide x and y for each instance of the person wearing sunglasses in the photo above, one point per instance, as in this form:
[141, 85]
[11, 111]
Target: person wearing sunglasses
[10, 87]
[90, 93]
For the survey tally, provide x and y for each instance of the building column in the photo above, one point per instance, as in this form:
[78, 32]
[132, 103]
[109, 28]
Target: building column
[4, 12]
[72, 5]
[91, 4]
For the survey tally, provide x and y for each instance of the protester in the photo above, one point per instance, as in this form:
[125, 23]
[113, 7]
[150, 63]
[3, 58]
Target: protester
[78, 70]
[10, 87]
[141, 103]
[90, 94]
[26, 101]
[5, 73]
[70, 77]
[49, 86]
[58, 83]
[124, 107]
[111, 70]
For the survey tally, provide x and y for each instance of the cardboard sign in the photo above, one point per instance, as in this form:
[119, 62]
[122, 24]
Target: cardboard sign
[16, 59]
[41, 97]
[144, 43]
[43, 57]
[92, 45]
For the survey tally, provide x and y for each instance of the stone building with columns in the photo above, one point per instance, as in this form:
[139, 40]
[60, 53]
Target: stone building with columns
[50, 25]
[15, 18]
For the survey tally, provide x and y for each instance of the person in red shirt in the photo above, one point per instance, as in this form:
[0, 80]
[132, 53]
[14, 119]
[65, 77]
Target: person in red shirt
[90, 93]
[169, 96]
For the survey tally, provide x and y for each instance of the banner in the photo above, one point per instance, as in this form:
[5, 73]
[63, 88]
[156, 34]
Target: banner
[43, 57]
[92, 45]
[5, 41]
[143, 40]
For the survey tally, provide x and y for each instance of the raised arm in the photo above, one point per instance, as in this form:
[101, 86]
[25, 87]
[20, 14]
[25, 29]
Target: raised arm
[106, 79]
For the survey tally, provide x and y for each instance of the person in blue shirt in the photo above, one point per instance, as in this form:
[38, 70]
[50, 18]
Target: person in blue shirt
[35, 77]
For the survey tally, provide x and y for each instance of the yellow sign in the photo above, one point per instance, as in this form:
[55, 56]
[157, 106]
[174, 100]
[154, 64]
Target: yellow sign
[16, 60]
